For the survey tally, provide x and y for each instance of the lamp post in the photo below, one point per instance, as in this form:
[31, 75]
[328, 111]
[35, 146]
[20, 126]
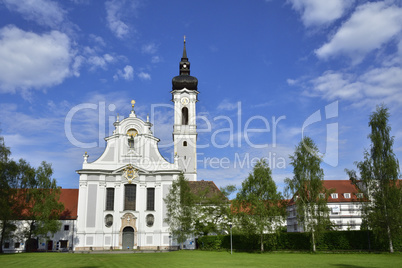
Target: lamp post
[230, 225]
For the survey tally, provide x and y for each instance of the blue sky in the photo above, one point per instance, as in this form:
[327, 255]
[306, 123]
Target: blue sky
[269, 72]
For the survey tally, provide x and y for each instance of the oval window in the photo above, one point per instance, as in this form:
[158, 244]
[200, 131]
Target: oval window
[108, 220]
[150, 220]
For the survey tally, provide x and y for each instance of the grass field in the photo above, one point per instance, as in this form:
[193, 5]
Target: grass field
[201, 259]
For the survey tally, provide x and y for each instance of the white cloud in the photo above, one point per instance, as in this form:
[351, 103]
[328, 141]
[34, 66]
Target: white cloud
[155, 59]
[127, 73]
[320, 12]
[144, 76]
[291, 81]
[97, 39]
[149, 48]
[227, 105]
[374, 86]
[370, 26]
[116, 11]
[43, 12]
[100, 61]
[31, 61]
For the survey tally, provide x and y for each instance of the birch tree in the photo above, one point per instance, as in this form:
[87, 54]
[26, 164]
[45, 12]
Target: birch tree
[379, 174]
[306, 187]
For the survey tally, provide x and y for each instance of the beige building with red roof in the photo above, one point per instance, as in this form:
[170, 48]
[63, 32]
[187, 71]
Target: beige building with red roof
[344, 203]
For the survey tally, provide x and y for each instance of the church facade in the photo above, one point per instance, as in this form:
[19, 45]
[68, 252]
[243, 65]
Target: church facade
[120, 202]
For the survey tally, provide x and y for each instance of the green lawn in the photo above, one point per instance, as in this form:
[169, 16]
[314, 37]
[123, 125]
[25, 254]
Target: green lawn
[200, 259]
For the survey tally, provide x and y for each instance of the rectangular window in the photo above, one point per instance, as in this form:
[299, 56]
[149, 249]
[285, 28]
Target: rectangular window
[150, 198]
[130, 191]
[347, 195]
[66, 227]
[339, 224]
[334, 196]
[352, 225]
[109, 198]
[6, 245]
[63, 243]
[16, 245]
[351, 208]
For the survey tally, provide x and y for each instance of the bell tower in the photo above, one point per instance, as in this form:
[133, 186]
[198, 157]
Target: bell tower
[185, 96]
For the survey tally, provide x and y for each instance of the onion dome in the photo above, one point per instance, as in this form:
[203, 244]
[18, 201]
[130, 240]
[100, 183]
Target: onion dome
[184, 80]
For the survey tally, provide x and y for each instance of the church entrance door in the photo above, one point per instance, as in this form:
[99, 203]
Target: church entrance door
[128, 238]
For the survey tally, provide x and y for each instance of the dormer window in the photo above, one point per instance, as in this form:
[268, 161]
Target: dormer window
[346, 195]
[334, 196]
[359, 195]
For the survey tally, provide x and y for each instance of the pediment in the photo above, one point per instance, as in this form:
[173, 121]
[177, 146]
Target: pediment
[122, 169]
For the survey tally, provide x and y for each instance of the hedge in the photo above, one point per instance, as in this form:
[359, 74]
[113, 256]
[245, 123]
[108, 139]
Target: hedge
[332, 240]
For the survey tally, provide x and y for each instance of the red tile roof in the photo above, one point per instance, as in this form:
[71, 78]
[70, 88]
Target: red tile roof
[69, 197]
[341, 187]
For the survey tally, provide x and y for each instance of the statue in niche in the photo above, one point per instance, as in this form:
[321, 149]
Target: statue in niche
[131, 134]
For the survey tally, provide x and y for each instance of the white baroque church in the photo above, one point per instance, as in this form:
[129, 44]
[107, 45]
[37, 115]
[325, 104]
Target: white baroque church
[120, 201]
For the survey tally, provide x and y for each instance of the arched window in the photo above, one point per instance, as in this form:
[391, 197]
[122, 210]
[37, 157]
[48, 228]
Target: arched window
[184, 143]
[184, 116]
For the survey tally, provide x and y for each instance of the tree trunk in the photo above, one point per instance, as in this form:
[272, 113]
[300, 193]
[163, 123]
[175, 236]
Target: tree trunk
[391, 247]
[313, 240]
[262, 242]
[3, 232]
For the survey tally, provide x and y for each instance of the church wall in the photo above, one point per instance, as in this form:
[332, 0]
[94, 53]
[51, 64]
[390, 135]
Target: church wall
[94, 235]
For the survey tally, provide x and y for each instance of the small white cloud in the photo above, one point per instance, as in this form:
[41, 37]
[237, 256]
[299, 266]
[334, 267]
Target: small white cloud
[43, 12]
[32, 61]
[291, 82]
[116, 10]
[226, 105]
[97, 39]
[108, 58]
[100, 61]
[333, 85]
[155, 59]
[320, 12]
[149, 48]
[144, 76]
[127, 73]
[370, 26]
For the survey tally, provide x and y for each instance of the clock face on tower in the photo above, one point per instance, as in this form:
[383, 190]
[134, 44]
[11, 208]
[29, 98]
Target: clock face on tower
[185, 101]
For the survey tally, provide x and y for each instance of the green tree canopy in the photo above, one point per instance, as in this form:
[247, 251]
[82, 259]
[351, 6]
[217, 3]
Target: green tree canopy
[27, 194]
[180, 205]
[258, 205]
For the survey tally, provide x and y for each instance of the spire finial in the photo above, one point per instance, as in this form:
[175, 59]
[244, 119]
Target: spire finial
[184, 50]
[132, 104]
